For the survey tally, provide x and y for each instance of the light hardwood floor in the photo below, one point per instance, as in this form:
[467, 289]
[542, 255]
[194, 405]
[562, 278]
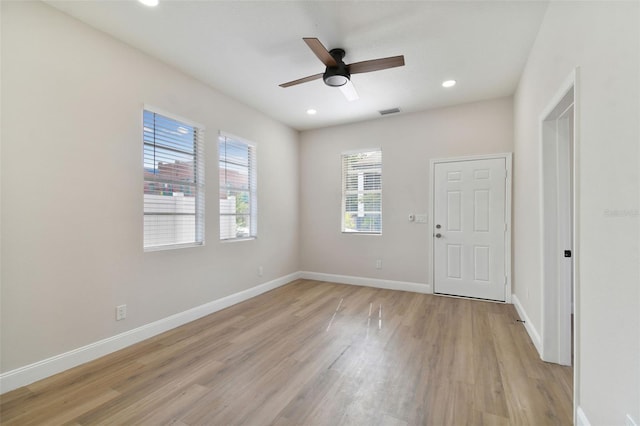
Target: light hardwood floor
[319, 354]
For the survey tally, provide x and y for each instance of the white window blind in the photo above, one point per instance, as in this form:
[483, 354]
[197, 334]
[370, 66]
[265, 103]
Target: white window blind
[173, 182]
[362, 192]
[238, 188]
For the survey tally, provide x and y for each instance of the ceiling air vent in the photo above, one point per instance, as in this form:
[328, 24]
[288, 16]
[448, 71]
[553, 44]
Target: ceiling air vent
[389, 111]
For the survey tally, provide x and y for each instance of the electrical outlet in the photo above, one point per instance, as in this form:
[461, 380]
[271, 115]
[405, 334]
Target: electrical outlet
[121, 312]
[379, 264]
[260, 271]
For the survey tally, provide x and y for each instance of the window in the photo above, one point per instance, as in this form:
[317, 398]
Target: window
[238, 200]
[173, 182]
[362, 192]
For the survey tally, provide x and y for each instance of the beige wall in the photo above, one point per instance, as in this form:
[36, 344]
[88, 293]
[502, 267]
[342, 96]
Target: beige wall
[72, 182]
[408, 142]
[603, 39]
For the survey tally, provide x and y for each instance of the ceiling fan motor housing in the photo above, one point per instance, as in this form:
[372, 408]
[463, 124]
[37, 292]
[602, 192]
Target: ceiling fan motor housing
[339, 75]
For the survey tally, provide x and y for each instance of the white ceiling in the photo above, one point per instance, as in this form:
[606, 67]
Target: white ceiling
[246, 48]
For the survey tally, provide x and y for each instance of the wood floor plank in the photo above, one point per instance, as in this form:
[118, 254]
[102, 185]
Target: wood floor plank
[315, 353]
[527, 400]
[490, 394]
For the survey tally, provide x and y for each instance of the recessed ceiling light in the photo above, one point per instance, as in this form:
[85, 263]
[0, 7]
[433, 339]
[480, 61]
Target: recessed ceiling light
[448, 83]
[150, 3]
[311, 111]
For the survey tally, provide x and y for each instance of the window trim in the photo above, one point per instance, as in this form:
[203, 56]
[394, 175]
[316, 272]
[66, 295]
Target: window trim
[199, 184]
[253, 189]
[343, 191]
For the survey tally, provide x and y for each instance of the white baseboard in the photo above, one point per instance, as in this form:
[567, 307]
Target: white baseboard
[368, 282]
[581, 418]
[48, 367]
[528, 325]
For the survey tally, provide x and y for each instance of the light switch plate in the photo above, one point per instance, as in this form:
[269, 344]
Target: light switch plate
[421, 218]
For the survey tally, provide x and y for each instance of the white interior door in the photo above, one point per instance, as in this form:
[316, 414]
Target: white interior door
[470, 228]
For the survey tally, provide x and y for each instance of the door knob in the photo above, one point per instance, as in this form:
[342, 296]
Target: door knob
[438, 226]
[438, 235]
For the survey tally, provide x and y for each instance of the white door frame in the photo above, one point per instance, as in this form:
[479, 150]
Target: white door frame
[556, 299]
[508, 158]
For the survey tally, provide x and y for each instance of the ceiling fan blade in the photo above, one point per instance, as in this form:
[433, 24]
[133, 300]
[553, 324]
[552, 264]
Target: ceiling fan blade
[301, 80]
[349, 91]
[376, 64]
[321, 52]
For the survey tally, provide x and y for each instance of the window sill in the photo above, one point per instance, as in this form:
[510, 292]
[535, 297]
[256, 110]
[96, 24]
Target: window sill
[375, 234]
[172, 247]
[236, 240]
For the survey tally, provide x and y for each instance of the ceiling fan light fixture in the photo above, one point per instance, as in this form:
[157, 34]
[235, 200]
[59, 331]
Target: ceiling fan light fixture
[335, 78]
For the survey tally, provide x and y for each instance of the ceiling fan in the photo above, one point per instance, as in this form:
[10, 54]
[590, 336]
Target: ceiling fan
[337, 73]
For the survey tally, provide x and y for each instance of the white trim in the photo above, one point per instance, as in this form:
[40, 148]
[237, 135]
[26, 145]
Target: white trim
[564, 88]
[507, 218]
[528, 325]
[508, 159]
[235, 240]
[172, 116]
[359, 150]
[471, 157]
[235, 138]
[577, 310]
[581, 418]
[172, 247]
[368, 282]
[39, 370]
[556, 300]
